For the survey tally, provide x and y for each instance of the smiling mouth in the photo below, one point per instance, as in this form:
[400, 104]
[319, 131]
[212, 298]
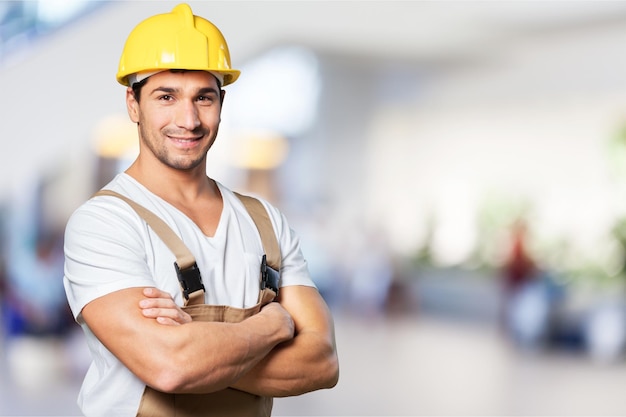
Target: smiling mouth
[185, 140]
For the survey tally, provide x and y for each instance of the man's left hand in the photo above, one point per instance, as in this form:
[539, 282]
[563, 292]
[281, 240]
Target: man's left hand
[160, 306]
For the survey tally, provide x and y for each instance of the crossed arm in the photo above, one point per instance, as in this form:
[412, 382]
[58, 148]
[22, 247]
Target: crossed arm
[286, 349]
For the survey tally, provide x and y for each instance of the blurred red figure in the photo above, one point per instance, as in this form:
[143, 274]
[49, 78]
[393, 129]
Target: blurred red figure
[518, 271]
[519, 267]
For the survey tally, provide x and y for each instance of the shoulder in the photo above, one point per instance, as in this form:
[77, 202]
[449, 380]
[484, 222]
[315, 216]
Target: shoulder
[236, 199]
[104, 215]
[128, 187]
[115, 209]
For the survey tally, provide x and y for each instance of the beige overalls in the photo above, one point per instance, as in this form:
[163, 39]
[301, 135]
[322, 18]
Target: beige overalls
[228, 402]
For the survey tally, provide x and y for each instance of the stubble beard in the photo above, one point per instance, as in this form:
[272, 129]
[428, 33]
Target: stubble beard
[163, 155]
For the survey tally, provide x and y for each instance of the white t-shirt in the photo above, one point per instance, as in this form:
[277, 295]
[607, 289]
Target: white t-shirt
[108, 247]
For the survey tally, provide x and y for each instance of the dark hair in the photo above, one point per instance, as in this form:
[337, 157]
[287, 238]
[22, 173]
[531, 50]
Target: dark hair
[137, 88]
[138, 85]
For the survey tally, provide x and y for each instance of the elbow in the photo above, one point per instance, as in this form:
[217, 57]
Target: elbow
[177, 382]
[167, 380]
[323, 375]
[330, 375]
[181, 377]
[326, 375]
[173, 377]
[168, 376]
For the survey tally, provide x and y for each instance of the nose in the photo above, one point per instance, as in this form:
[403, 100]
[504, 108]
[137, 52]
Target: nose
[187, 115]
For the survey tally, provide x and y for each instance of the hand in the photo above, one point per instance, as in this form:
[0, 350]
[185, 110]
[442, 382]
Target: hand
[281, 318]
[160, 305]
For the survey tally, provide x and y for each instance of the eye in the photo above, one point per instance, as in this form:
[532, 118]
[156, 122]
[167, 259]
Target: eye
[206, 99]
[166, 97]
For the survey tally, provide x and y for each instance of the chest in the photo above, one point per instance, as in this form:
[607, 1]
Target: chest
[229, 260]
[206, 216]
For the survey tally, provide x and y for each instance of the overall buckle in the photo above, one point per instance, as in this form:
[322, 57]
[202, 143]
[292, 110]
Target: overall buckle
[190, 279]
[269, 276]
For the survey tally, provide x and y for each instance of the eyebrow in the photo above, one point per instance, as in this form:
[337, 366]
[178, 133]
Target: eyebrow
[208, 90]
[171, 90]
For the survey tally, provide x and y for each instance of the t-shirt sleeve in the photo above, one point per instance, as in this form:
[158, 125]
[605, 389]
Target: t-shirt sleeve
[294, 268]
[104, 252]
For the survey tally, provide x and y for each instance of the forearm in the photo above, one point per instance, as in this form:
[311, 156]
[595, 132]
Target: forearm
[306, 363]
[195, 357]
[216, 354]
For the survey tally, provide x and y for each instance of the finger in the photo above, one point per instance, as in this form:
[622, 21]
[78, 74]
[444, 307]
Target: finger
[176, 315]
[160, 312]
[152, 292]
[157, 303]
[167, 321]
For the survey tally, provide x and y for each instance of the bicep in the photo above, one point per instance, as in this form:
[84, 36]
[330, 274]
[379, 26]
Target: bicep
[116, 320]
[104, 253]
[309, 361]
[308, 310]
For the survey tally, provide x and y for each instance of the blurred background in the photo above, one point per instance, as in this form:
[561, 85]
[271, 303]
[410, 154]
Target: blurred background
[456, 172]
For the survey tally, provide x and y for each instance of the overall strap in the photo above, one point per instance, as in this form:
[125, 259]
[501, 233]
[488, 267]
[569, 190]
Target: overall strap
[185, 261]
[184, 258]
[264, 225]
[186, 268]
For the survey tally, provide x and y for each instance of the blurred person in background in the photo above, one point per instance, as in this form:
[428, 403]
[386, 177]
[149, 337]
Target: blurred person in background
[220, 346]
[526, 307]
[34, 303]
[519, 268]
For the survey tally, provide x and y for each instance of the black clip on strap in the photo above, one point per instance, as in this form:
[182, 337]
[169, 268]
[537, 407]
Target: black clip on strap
[269, 276]
[190, 279]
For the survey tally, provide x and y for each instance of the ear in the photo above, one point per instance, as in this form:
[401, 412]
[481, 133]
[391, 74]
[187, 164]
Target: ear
[132, 106]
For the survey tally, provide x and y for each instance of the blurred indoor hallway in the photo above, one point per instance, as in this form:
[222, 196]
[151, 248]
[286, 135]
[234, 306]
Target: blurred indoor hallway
[398, 365]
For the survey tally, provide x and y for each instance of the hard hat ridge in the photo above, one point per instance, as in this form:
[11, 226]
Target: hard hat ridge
[183, 10]
[175, 40]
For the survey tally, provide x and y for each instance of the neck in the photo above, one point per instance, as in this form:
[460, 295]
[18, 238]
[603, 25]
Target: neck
[175, 186]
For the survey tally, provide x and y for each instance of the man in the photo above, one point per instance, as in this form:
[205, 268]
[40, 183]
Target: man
[123, 282]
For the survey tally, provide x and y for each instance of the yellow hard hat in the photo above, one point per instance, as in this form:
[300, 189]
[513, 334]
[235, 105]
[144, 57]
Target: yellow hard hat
[176, 40]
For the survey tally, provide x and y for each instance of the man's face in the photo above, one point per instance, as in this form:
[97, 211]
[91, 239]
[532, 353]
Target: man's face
[178, 117]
